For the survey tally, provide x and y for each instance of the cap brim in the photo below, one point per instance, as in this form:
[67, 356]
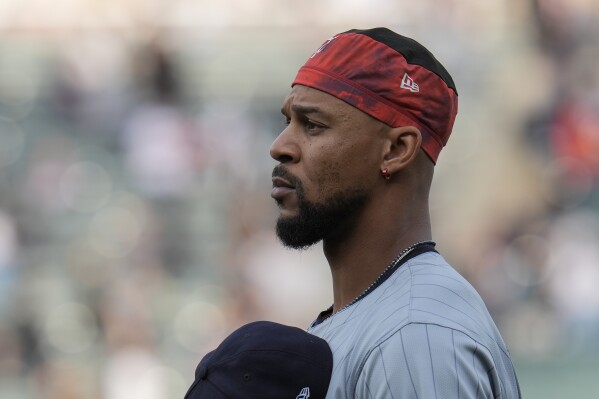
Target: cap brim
[204, 389]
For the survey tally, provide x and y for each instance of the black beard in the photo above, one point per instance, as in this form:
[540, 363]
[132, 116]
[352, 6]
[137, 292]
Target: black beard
[316, 222]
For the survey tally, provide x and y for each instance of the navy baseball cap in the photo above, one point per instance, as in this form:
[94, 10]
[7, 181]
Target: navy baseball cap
[265, 360]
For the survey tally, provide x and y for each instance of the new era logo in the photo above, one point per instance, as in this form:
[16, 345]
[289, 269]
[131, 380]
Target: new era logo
[304, 393]
[408, 83]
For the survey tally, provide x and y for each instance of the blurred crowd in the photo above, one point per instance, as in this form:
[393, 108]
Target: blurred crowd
[545, 262]
[136, 226]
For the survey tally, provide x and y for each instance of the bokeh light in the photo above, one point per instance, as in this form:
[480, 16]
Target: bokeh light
[85, 186]
[70, 328]
[196, 322]
[114, 232]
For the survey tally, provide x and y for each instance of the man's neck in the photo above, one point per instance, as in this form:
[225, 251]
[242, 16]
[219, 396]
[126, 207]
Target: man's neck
[360, 256]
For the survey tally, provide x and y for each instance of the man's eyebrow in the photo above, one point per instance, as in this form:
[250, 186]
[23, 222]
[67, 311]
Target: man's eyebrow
[303, 110]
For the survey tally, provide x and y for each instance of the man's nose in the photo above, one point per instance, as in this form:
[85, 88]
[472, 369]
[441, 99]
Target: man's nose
[284, 149]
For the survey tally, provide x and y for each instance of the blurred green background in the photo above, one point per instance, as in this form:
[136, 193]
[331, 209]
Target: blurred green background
[136, 226]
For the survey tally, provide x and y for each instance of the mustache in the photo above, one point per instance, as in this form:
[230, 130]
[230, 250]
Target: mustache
[282, 172]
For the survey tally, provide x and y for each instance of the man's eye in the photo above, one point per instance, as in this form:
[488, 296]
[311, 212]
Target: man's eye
[311, 126]
[287, 121]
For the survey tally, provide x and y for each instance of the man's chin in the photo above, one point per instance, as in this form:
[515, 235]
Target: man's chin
[293, 236]
[306, 224]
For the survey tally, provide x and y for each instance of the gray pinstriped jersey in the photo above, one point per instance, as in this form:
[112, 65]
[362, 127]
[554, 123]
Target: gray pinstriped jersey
[423, 333]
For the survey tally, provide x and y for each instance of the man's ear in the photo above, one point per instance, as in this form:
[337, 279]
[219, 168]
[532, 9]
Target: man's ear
[402, 147]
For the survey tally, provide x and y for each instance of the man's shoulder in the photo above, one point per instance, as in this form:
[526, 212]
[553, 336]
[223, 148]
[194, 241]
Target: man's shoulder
[425, 290]
[422, 359]
[417, 292]
[431, 269]
[441, 296]
[424, 304]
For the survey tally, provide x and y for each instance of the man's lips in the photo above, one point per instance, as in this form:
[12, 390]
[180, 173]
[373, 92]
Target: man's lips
[280, 188]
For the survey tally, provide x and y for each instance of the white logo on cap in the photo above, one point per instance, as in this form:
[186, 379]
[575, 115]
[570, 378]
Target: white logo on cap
[304, 393]
[408, 83]
[323, 46]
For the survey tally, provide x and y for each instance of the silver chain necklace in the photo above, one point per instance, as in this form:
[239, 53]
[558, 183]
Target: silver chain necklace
[391, 265]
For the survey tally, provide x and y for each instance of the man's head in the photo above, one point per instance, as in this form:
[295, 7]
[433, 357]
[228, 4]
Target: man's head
[365, 103]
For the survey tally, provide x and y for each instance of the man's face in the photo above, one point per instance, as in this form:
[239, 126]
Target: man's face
[329, 161]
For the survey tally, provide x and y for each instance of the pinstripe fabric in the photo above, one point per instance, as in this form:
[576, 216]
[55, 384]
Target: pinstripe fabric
[424, 333]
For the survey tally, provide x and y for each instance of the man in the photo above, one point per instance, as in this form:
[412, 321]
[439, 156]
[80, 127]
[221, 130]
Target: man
[367, 117]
